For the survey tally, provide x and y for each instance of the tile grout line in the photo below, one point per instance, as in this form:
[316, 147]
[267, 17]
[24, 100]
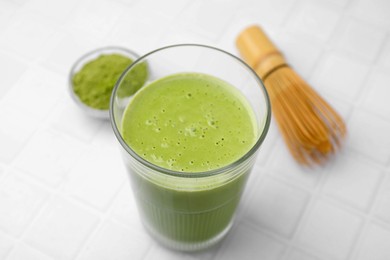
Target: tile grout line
[369, 219]
[52, 197]
[104, 217]
[52, 194]
[43, 126]
[289, 14]
[315, 195]
[13, 240]
[310, 191]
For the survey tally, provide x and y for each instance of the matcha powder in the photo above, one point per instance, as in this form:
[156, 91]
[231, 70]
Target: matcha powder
[95, 81]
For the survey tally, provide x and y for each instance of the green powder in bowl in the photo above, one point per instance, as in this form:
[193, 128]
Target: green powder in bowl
[94, 76]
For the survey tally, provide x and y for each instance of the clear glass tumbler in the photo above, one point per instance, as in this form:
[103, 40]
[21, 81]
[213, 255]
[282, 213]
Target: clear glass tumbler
[194, 210]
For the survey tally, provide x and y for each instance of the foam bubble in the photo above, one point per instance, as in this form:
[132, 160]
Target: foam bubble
[211, 123]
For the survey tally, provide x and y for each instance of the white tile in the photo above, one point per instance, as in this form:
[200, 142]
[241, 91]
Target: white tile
[384, 56]
[114, 241]
[124, 209]
[375, 244]
[61, 229]
[15, 69]
[382, 207]
[313, 19]
[297, 254]
[251, 242]
[353, 180]
[96, 177]
[341, 75]
[337, 102]
[265, 12]
[9, 147]
[368, 134]
[6, 245]
[276, 206]
[30, 28]
[170, 8]
[253, 182]
[57, 11]
[148, 33]
[20, 201]
[330, 230]
[376, 98]
[105, 137]
[22, 251]
[20, 125]
[158, 252]
[71, 45]
[37, 92]
[69, 118]
[174, 35]
[19, 2]
[96, 17]
[130, 3]
[284, 166]
[372, 11]
[245, 16]
[49, 156]
[341, 3]
[200, 17]
[360, 39]
[292, 46]
[7, 9]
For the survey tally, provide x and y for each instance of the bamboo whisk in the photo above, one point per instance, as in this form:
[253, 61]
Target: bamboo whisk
[310, 127]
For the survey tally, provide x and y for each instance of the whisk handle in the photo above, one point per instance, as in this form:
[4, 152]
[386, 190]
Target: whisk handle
[259, 51]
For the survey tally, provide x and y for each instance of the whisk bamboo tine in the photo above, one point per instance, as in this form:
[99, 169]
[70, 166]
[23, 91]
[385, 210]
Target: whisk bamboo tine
[302, 115]
[317, 130]
[294, 149]
[319, 100]
[311, 128]
[297, 148]
[325, 107]
[337, 126]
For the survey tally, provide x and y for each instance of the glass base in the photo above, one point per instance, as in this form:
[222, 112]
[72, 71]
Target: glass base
[188, 246]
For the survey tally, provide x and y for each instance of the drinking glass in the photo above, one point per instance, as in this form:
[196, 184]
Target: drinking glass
[192, 210]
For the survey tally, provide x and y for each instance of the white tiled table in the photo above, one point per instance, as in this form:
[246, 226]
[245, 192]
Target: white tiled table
[63, 189]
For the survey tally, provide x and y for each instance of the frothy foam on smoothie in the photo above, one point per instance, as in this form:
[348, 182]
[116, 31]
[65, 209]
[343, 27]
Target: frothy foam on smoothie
[189, 122]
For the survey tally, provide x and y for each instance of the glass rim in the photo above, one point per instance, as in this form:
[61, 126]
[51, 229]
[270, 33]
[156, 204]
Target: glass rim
[184, 174]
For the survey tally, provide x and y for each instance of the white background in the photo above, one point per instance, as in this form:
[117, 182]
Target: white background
[64, 193]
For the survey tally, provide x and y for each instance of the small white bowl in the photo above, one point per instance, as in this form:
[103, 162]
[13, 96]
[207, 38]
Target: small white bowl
[79, 64]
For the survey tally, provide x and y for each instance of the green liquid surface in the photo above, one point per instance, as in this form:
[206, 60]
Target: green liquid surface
[189, 122]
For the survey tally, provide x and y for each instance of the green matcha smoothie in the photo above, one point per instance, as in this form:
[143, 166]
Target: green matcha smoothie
[189, 123]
